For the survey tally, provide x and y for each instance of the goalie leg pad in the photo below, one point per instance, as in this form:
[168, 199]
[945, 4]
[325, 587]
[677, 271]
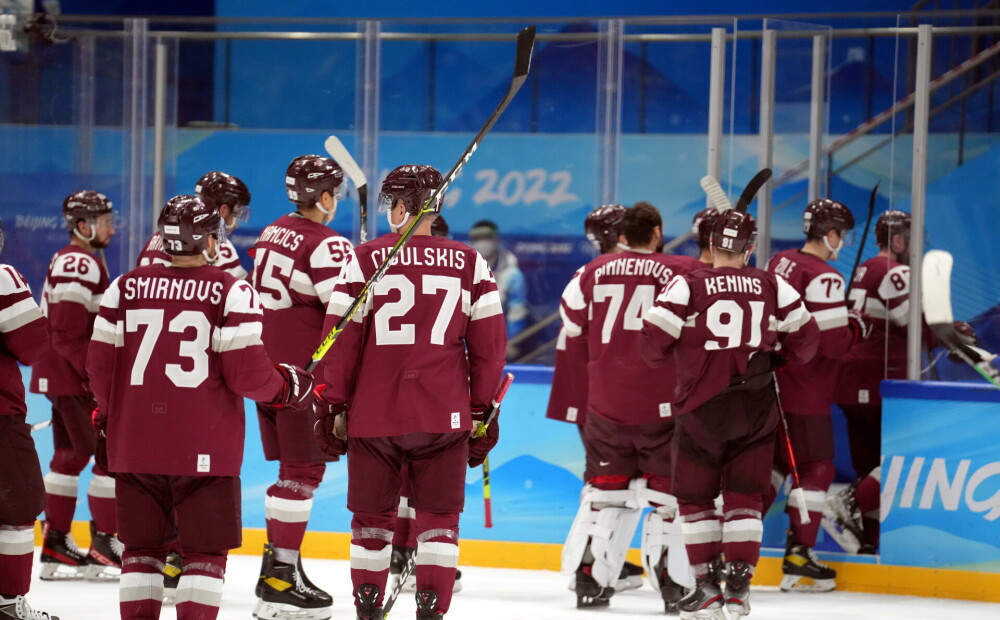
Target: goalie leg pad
[603, 527]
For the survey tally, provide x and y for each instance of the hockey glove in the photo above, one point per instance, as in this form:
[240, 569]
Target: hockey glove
[330, 426]
[860, 328]
[298, 387]
[967, 336]
[100, 423]
[479, 447]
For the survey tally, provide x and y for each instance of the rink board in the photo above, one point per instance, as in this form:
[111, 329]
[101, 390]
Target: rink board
[536, 480]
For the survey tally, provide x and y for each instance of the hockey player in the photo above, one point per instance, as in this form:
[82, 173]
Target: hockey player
[414, 368]
[296, 262]
[22, 328]
[70, 298]
[807, 389]
[233, 199]
[881, 292]
[716, 329]
[701, 228]
[629, 422]
[175, 349]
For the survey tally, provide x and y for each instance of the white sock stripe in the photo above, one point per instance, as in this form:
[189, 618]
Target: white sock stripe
[62, 485]
[743, 530]
[437, 554]
[370, 559]
[876, 474]
[287, 510]
[701, 532]
[11, 534]
[102, 487]
[17, 541]
[199, 589]
[140, 587]
[405, 512]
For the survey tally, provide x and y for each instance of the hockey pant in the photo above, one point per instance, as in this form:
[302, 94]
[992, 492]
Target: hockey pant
[288, 505]
[661, 532]
[602, 531]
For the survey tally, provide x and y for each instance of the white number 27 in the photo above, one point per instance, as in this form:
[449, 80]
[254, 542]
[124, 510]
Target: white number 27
[406, 332]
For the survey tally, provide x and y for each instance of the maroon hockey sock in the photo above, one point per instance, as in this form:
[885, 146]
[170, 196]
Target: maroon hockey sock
[17, 543]
[286, 512]
[199, 591]
[371, 550]
[59, 511]
[140, 591]
[867, 495]
[437, 555]
[815, 478]
[403, 532]
[101, 500]
[742, 527]
[702, 533]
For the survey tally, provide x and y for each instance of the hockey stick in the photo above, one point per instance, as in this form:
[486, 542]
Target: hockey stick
[487, 494]
[37, 426]
[796, 492]
[336, 149]
[864, 237]
[525, 43]
[715, 193]
[479, 432]
[936, 280]
[411, 563]
[750, 191]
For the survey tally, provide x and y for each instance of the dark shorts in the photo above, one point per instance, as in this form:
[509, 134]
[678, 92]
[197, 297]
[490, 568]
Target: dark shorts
[437, 464]
[725, 444]
[632, 451]
[287, 435]
[73, 434]
[811, 437]
[22, 491]
[864, 432]
[200, 513]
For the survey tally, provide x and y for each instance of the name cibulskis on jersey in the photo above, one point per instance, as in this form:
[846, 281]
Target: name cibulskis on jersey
[427, 257]
[172, 288]
[635, 267]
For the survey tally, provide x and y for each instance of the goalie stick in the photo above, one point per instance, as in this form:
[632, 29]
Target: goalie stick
[864, 237]
[525, 44]
[714, 191]
[336, 149]
[936, 280]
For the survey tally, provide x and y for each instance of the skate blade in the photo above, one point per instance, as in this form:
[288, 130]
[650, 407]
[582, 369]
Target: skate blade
[704, 614]
[277, 611]
[737, 608]
[169, 597]
[841, 535]
[632, 582]
[100, 573]
[797, 583]
[587, 602]
[61, 572]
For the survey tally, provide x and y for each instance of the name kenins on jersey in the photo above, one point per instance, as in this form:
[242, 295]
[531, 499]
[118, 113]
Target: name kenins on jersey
[145, 287]
[634, 267]
[427, 257]
[279, 235]
[732, 284]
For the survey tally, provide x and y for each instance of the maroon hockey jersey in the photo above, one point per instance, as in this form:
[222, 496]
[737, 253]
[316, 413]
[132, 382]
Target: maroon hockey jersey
[808, 388]
[228, 261]
[296, 263]
[24, 336]
[70, 299]
[605, 304]
[568, 397]
[174, 352]
[709, 323]
[881, 291]
[430, 339]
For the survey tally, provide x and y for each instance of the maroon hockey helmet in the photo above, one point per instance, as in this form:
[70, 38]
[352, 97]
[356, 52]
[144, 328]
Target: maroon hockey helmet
[603, 225]
[84, 205]
[439, 227]
[893, 221]
[413, 184]
[702, 224]
[734, 232]
[823, 215]
[308, 176]
[186, 222]
[225, 189]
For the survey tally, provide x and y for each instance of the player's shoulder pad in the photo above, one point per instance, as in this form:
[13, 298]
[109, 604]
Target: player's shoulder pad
[12, 281]
[826, 287]
[330, 251]
[77, 266]
[241, 298]
[895, 283]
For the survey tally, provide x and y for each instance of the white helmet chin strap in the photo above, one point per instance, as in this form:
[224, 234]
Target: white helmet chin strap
[396, 227]
[834, 252]
[328, 214]
[93, 232]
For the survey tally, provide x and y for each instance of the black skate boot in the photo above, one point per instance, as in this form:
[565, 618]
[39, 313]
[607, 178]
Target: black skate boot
[671, 591]
[589, 593]
[738, 577]
[61, 559]
[427, 601]
[630, 578]
[104, 560]
[705, 601]
[803, 573]
[172, 570]
[285, 595]
[18, 609]
[400, 556]
[366, 596]
[842, 520]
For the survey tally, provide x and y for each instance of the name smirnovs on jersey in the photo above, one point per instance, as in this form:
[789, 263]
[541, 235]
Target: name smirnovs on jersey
[172, 288]
[428, 257]
[634, 267]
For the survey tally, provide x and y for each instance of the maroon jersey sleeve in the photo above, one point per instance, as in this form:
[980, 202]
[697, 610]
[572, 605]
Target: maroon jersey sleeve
[72, 295]
[429, 339]
[152, 253]
[24, 337]
[568, 397]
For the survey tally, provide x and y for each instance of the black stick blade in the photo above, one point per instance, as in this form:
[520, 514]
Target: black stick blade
[751, 189]
[525, 44]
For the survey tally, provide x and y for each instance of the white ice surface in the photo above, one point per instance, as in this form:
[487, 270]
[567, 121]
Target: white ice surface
[494, 594]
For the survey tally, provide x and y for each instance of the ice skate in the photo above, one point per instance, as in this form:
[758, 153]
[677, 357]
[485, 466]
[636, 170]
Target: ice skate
[104, 560]
[61, 559]
[705, 601]
[737, 592]
[368, 608]
[803, 573]
[287, 594]
[427, 605]
[630, 578]
[588, 592]
[671, 591]
[172, 570]
[18, 609]
[842, 520]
